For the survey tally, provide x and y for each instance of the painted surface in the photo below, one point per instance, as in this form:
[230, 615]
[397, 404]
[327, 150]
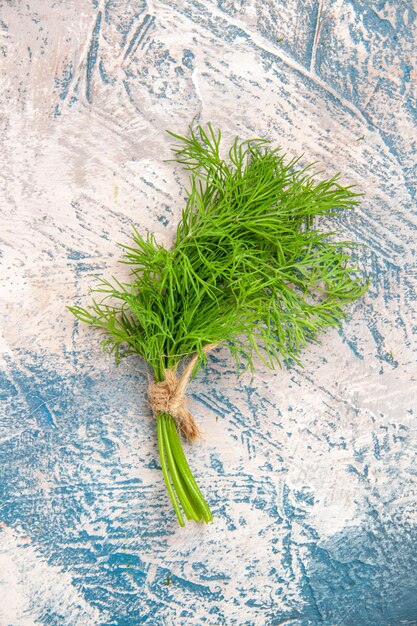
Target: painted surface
[311, 473]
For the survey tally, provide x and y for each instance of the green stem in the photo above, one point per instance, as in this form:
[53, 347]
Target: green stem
[165, 471]
[186, 473]
[176, 480]
[178, 477]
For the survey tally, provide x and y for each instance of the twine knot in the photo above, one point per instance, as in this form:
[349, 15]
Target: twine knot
[168, 396]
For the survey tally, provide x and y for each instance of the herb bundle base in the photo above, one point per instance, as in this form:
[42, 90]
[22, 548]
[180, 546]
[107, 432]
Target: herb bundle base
[248, 270]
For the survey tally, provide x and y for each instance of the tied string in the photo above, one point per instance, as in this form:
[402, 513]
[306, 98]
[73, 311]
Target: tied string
[168, 396]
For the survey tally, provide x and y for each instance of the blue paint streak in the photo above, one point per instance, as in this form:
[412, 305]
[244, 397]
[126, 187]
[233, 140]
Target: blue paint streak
[188, 59]
[140, 33]
[163, 220]
[63, 83]
[353, 344]
[92, 57]
[104, 76]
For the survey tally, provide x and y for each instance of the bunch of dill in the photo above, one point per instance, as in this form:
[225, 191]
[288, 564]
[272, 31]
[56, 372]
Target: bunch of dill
[248, 270]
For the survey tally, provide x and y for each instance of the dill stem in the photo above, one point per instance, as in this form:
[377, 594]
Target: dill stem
[180, 482]
[182, 496]
[165, 472]
[187, 474]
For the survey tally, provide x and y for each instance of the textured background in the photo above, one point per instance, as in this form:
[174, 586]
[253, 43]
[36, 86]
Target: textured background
[311, 474]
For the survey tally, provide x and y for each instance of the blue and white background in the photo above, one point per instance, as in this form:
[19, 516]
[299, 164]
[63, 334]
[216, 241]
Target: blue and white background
[310, 473]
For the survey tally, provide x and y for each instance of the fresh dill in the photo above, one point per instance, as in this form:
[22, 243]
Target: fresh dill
[249, 270]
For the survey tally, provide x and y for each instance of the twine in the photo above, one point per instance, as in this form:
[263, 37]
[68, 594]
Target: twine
[168, 396]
